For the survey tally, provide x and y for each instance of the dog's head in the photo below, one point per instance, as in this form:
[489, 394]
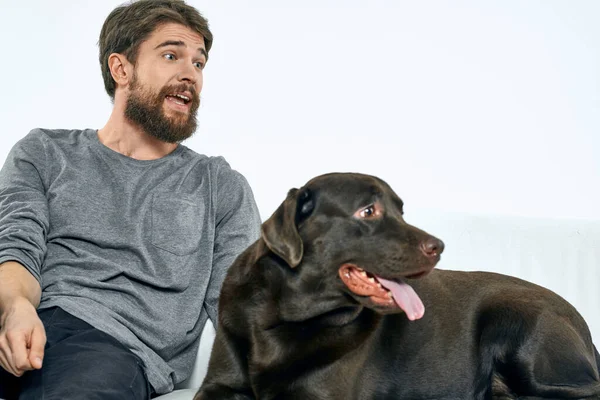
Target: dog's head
[344, 239]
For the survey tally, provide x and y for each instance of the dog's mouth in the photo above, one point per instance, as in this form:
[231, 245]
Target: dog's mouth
[384, 292]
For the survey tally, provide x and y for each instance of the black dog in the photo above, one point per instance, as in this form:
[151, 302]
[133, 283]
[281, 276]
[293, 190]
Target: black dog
[327, 305]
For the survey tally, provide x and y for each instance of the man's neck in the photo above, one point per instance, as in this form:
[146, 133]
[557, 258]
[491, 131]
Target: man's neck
[120, 135]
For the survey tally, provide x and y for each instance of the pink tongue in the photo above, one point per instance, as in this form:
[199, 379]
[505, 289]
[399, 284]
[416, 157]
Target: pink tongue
[405, 297]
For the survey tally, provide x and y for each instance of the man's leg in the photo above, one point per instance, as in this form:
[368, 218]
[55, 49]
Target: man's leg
[81, 362]
[9, 385]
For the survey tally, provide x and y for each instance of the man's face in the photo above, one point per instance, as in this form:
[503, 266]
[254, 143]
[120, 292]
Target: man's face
[164, 92]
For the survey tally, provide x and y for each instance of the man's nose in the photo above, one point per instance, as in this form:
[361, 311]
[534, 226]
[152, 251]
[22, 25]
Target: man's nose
[188, 73]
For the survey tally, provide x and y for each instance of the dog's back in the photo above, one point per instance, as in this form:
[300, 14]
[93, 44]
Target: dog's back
[485, 334]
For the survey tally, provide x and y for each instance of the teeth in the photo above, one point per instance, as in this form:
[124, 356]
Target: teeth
[372, 280]
[180, 96]
[363, 274]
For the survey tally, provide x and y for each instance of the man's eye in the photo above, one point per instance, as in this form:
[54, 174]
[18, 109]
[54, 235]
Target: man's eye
[199, 65]
[169, 56]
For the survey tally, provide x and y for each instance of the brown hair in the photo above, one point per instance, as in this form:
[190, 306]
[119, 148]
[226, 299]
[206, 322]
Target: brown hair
[128, 25]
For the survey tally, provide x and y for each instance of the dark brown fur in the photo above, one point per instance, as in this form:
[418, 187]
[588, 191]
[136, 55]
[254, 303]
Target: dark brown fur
[289, 328]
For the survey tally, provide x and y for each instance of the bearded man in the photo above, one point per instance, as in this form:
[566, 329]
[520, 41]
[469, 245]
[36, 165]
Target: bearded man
[114, 242]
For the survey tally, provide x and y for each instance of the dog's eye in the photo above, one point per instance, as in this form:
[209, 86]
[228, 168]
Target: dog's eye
[371, 211]
[368, 212]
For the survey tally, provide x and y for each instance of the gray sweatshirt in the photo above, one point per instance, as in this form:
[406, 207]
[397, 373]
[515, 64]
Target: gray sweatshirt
[137, 249]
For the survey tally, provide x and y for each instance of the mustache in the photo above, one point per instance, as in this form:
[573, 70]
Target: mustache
[182, 87]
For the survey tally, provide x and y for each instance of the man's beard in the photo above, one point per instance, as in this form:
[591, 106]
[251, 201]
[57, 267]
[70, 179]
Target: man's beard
[145, 108]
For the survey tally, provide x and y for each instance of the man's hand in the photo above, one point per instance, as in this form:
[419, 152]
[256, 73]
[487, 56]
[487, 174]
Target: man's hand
[22, 338]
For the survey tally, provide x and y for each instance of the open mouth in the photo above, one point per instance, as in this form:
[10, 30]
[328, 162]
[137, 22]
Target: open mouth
[384, 292]
[179, 99]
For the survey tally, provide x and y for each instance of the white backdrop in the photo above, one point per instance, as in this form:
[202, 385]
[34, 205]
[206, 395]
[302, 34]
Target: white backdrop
[477, 107]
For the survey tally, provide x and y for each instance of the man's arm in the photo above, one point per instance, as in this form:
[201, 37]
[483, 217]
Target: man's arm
[24, 215]
[22, 334]
[17, 283]
[237, 227]
[24, 221]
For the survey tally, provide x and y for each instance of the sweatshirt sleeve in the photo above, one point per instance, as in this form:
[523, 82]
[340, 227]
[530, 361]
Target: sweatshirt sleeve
[237, 227]
[24, 218]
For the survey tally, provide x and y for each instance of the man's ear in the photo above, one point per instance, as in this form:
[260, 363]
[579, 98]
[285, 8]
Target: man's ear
[280, 232]
[120, 69]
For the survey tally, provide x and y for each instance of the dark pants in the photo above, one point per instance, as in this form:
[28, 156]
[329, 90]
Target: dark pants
[80, 362]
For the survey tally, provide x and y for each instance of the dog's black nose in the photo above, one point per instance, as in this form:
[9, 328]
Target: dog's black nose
[432, 247]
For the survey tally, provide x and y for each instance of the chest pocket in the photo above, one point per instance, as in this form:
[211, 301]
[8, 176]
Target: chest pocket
[176, 223]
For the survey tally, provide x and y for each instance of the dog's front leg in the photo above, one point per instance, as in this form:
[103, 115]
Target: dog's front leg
[227, 375]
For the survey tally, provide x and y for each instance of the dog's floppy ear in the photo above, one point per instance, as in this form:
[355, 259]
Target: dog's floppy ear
[280, 232]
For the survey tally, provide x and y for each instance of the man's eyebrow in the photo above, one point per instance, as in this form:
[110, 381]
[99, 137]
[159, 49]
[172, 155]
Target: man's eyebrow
[180, 43]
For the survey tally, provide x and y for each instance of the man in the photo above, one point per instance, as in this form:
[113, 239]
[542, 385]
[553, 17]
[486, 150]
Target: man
[114, 242]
